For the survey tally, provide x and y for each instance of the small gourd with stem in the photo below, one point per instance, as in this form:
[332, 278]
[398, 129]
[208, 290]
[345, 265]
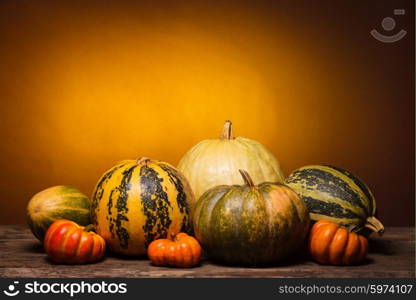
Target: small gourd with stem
[330, 243]
[181, 250]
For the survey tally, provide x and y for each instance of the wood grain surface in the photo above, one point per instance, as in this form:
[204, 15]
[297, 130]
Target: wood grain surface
[21, 255]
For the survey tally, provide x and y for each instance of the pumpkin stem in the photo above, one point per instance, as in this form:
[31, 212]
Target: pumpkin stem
[227, 131]
[247, 179]
[352, 228]
[375, 225]
[173, 237]
[142, 160]
[90, 227]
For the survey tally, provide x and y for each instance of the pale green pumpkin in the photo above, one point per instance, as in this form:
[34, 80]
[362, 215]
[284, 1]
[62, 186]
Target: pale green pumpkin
[216, 162]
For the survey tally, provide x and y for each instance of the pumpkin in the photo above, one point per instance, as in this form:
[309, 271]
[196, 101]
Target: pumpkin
[334, 194]
[138, 201]
[181, 251]
[330, 243]
[67, 242]
[216, 162]
[54, 203]
[250, 225]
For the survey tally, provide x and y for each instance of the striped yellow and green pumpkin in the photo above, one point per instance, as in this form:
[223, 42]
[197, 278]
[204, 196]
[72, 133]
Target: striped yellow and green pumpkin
[334, 194]
[250, 225]
[138, 201]
[54, 203]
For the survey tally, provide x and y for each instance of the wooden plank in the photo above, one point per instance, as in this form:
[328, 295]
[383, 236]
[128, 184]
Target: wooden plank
[21, 255]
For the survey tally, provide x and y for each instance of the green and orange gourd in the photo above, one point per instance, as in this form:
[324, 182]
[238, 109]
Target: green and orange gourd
[54, 203]
[250, 224]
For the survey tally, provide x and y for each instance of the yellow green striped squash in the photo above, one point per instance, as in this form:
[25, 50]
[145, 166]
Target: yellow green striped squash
[334, 194]
[54, 203]
[138, 201]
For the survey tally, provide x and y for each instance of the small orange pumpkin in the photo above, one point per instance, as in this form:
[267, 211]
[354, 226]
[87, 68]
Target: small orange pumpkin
[67, 242]
[330, 243]
[181, 251]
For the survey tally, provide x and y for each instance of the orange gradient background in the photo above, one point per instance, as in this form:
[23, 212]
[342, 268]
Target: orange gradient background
[85, 84]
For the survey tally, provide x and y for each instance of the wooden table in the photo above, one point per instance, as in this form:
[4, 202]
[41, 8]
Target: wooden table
[21, 255]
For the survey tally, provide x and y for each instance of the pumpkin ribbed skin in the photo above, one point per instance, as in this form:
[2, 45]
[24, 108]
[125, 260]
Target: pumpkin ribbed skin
[334, 194]
[67, 242]
[181, 251]
[54, 203]
[216, 162]
[138, 201]
[250, 225]
[330, 243]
